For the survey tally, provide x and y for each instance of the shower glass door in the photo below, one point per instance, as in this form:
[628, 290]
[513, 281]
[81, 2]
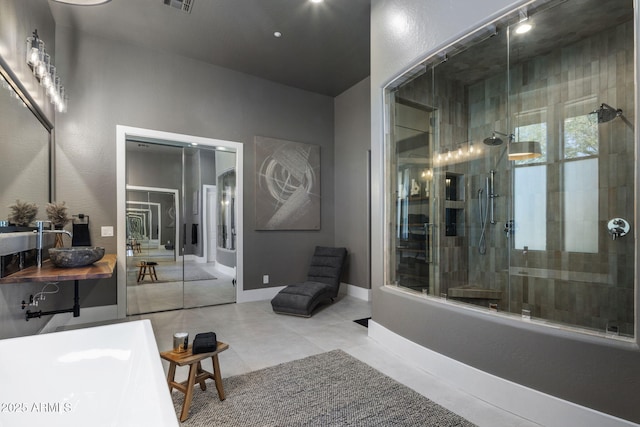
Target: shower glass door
[511, 169]
[413, 209]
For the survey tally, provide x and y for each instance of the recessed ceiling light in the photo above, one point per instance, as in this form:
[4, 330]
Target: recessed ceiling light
[317, 1]
[277, 34]
[83, 2]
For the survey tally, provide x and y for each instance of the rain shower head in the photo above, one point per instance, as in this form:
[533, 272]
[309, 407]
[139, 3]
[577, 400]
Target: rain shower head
[606, 113]
[494, 140]
[521, 150]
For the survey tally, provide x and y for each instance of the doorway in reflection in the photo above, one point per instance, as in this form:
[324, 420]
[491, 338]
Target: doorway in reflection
[170, 224]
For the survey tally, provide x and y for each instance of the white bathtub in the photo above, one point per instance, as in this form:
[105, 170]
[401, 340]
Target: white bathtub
[101, 376]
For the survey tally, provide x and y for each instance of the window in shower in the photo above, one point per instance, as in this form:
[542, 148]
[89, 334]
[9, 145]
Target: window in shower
[581, 206]
[530, 184]
[530, 208]
[527, 235]
[580, 171]
[580, 129]
[580, 137]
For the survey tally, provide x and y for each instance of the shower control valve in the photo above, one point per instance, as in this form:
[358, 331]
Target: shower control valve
[509, 227]
[618, 227]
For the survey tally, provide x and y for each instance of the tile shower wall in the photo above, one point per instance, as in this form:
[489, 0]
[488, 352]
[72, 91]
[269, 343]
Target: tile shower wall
[488, 113]
[593, 290]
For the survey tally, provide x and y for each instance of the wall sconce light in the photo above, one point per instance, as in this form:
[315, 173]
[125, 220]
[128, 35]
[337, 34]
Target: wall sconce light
[40, 63]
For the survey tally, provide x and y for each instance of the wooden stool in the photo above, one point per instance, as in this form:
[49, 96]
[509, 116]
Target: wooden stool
[147, 268]
[196, 373]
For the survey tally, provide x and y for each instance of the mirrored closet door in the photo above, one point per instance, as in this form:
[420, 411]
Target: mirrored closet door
[175, 215]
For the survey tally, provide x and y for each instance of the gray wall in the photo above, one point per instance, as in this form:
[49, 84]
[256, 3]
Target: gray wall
[113, 83]
[353, 138]
[595, 372]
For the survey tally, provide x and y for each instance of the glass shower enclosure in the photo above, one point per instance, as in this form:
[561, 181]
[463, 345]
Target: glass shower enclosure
[511, 168]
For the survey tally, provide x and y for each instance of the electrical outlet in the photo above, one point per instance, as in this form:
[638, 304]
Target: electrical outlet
[265, 279]
[106, 231]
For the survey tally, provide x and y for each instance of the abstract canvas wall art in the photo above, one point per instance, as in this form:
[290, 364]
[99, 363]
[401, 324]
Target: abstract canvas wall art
[287, 185]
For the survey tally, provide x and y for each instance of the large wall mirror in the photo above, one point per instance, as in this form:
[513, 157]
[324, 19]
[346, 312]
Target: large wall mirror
[174, 218]
[25, 141]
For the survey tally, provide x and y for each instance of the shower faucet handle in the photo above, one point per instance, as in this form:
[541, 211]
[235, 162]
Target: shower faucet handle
[618, 227]
[509, 227]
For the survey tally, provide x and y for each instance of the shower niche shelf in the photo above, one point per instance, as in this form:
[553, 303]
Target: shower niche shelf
[454, 186]
[454, 222]
[454, 204]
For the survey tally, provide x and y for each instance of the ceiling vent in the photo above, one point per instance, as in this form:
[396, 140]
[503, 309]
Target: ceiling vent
[183, 5]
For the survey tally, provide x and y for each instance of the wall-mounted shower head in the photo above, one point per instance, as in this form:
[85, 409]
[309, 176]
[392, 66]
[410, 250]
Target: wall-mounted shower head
[606, 113]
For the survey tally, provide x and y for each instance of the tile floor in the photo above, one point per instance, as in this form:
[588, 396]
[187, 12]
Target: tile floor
[259, 338]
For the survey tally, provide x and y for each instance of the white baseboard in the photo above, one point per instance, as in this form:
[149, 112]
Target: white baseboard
[87, 315]
[356, 291]
[512, 397]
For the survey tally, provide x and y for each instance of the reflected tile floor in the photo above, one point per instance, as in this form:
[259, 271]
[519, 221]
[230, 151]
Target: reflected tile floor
[148, 297]
[259, 338]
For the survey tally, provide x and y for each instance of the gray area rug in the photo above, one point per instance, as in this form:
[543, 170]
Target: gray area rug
[328, 389]
[170, 274]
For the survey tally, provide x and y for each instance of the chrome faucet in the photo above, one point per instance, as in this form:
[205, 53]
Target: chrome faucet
[41, 231]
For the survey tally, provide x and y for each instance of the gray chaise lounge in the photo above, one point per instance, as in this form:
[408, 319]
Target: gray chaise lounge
[322, 284]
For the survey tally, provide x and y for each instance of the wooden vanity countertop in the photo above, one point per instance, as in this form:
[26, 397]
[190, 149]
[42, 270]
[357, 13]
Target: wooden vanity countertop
[49, 273]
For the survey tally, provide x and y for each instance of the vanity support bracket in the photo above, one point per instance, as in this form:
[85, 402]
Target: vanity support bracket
[75, 309]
